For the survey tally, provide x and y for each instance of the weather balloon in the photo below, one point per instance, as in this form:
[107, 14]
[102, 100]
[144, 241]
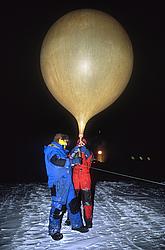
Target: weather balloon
[86, 62]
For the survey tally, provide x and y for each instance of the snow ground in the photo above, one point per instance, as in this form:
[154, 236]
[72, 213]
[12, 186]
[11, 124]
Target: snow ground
[126, 216]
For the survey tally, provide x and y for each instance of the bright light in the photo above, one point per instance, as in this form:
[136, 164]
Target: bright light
[132, 157]
[99, 152]
[148, 158]
[85, 66]
[141, 158]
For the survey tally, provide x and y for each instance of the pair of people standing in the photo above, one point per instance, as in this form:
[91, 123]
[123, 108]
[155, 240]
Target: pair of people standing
[65, 195]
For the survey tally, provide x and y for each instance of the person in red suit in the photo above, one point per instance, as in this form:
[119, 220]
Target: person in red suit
[82, 179]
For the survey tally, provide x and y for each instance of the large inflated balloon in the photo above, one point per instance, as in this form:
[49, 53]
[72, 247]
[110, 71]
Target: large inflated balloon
[86, 62]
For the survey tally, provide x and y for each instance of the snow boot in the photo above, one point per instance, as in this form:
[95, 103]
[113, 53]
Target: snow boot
[57, 236]
[89, 224]
[82, 229]
[67, 222]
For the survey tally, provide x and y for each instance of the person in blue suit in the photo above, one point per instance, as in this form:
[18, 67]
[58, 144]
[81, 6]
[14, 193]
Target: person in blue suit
[59, 172]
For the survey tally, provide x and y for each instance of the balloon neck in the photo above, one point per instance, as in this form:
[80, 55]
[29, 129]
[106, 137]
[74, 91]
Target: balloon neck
[80, 136]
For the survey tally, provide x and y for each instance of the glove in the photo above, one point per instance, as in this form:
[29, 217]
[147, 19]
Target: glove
[83, 149]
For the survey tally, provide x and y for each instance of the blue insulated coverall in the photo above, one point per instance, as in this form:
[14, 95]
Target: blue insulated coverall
[59, 172]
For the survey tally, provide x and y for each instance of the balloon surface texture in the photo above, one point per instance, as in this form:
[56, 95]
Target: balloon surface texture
[86, 62]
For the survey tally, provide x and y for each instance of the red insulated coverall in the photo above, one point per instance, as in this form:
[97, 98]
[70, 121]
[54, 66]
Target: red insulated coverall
[82, 184]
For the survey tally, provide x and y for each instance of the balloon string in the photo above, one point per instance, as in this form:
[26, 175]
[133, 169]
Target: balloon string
[128, 176]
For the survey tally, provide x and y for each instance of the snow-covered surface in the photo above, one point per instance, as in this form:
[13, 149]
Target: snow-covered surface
[126, 216]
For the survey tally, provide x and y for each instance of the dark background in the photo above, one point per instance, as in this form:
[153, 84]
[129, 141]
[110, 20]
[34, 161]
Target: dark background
[30, 116]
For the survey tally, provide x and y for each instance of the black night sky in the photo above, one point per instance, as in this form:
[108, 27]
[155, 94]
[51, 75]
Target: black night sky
[30, 116]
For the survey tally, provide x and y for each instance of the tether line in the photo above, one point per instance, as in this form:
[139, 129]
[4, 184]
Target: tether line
[133, 177]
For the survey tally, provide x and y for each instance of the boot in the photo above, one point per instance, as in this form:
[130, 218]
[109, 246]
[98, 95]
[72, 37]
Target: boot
[81, 229]
[67, 222]
[89, 224]
[57, 236]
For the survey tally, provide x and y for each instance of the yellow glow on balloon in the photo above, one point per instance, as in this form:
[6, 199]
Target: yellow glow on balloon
[86, 62]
